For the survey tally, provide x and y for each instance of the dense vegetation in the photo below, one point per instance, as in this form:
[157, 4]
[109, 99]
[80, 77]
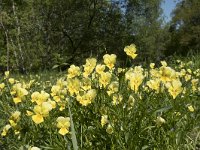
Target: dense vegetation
[37, 34]
[124, 96]
[101, 106]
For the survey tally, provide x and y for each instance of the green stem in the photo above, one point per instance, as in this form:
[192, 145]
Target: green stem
[74, 140]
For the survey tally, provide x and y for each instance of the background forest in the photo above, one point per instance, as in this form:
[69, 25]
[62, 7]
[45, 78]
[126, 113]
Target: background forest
[40, 34]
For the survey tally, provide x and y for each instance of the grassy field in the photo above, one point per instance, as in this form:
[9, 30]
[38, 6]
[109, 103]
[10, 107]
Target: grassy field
[101, 106]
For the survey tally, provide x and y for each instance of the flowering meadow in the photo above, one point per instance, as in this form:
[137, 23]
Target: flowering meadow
[101, 106]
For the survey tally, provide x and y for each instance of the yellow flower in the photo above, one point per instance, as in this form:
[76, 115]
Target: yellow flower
[57, 98]
[17, 100]
[128, 74]
[167, 73]
[35, 96]
[189, 71]
[136, 81]
[38, 118]
[7, 74]
[87, 98]
[109, 129]
[160, 121]
[174, 88]
[5, 130]
[53, 103]
[182, 65]
[14, 118]
[194, 84]
[187, 77]
[131, 50]
[11, 80]
[152, 65]
[154, 84]
[120, 70]
[61, 82]
[164, 63]
[62, 105]
[73, 71]
[138, 69]
[41, 111]
[2, 85]
[63, 123]
[18, 93]
[109, 60]
[197, 72]
[86, 84]
[29, 113]
[27, 85]
[58, 90]
[104, 120]
[191, 108]
[12, 123]
[117, 98]
[39, 98]
[89, 66]
[113, 87]
[105, 79]
[155, 73]
[182, 72]
[55, 90]
[73, 86]
[100, 68]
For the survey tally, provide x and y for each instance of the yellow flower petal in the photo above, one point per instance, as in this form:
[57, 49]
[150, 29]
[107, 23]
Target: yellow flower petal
[17, 100]
[63, 131]
[191, 108]
[37, 118]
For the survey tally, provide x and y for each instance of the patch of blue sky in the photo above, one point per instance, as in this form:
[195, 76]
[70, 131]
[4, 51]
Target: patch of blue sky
[168, 6]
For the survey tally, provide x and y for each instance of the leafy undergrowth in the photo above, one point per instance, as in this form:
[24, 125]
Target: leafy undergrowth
[101, 106]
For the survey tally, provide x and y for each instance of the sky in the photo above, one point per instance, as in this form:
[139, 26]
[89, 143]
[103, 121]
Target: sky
[168, 6]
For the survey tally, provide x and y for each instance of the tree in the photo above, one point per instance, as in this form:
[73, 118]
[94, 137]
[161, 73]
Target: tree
[185, 27]
[40, 34]
[144, 22]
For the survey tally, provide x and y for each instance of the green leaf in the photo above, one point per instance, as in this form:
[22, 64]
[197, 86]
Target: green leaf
[74, 140]
[55, 66]
[163, 109]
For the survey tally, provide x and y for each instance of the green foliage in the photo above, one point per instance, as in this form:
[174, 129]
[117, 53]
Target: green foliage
[185, 28]
[145, 22]
[35, 32]
[37, 35]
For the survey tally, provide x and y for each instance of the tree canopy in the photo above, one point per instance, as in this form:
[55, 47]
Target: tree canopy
[38, 34]
[185, 27]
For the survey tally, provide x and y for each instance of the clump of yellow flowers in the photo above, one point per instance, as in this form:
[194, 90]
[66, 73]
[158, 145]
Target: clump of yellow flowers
[89, 66]
[87, 97]
[100, 97]
[15, 117]
[73, 71]
[18, 92]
